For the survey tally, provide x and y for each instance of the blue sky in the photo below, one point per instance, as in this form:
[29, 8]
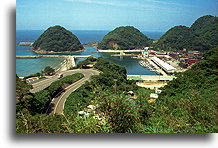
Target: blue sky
[146, 15]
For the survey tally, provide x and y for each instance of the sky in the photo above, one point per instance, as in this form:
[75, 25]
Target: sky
[146, 15]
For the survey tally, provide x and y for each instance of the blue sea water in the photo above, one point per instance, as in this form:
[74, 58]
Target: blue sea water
[25, 67]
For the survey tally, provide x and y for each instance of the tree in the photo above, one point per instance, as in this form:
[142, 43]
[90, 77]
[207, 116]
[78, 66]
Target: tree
[48, 70]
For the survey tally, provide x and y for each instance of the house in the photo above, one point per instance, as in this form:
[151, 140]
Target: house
[153, 95]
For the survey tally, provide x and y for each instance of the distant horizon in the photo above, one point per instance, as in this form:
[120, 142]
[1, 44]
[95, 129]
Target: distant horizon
[145, 15]
[81, 30]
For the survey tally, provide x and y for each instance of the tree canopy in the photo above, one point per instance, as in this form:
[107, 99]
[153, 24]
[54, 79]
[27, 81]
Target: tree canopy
[48, 70]
[57, 39]
[124, 38]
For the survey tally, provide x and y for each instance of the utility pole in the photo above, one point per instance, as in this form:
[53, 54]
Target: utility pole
[115, 80]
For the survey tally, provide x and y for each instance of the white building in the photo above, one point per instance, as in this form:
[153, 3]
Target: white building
[165, 66]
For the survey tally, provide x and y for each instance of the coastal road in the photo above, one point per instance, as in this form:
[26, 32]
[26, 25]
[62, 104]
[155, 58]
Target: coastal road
[57, 104]
[42, 84]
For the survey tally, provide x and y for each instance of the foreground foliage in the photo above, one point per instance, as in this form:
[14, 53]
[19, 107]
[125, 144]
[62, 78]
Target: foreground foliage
[29, 107]
[187, 104]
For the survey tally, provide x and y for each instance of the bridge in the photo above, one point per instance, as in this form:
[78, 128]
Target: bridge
[150, 77]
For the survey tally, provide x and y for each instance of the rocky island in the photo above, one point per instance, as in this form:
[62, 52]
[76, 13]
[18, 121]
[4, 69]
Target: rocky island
[57, 39]
[124, 38]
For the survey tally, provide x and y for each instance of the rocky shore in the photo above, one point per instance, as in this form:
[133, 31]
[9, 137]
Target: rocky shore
[91, 43]
[45, 52]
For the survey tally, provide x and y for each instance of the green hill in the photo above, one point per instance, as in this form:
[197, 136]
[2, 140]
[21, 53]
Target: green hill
[206, 28]
[124, 38]
[57, 39]
[178, 37]
[189, 103]
[202, 35]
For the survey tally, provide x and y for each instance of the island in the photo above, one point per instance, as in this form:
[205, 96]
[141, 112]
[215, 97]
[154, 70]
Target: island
[124, 38]
[57, 39]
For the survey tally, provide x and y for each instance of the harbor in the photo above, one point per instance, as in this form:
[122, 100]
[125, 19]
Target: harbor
[28, 62]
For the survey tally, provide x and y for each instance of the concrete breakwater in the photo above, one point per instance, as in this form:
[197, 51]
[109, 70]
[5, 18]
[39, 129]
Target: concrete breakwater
[40, 56]
[68, 63]
[25, 44]
[27, 57]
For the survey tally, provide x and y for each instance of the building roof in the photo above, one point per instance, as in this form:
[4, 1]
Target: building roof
[163, 64]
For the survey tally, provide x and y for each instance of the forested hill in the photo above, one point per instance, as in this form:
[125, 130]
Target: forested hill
[57, 39]
[202, 35]
[124, 38]
[206, 28]
[189, 103]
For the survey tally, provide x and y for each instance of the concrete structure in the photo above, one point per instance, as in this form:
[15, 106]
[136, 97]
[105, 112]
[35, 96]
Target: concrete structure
[152, 95]
[69, 62]
[165, 66]
[150, 77]
[121, 51]
[145, 53]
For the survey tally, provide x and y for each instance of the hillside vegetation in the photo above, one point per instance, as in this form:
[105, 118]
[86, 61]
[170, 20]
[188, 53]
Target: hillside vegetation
[57, 39]
[187, 104]
[124, 38]
[202, 35]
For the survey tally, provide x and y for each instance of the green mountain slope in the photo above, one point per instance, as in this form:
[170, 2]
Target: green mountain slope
[124, 38]
[202, 35]
[206, 28]
[57, 39]
[189, 103]
[178, 37]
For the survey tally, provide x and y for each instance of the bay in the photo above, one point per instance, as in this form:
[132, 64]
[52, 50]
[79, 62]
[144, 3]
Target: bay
[25, 67]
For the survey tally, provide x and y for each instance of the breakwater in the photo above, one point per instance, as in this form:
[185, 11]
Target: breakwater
[25, 44]
[28, 57]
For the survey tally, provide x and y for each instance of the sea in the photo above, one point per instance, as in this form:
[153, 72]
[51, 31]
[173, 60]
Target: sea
[25, 67]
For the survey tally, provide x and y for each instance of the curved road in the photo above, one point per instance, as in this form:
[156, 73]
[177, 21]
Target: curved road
[57, 104]
[39, 85]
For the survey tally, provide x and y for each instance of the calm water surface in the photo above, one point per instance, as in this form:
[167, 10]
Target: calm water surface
[25, 67]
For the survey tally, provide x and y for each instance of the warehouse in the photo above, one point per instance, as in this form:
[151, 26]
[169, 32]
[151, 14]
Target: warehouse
[165, 66]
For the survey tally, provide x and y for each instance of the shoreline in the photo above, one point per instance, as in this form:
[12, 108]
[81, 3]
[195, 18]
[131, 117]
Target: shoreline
[49, 52]
[115, 51]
